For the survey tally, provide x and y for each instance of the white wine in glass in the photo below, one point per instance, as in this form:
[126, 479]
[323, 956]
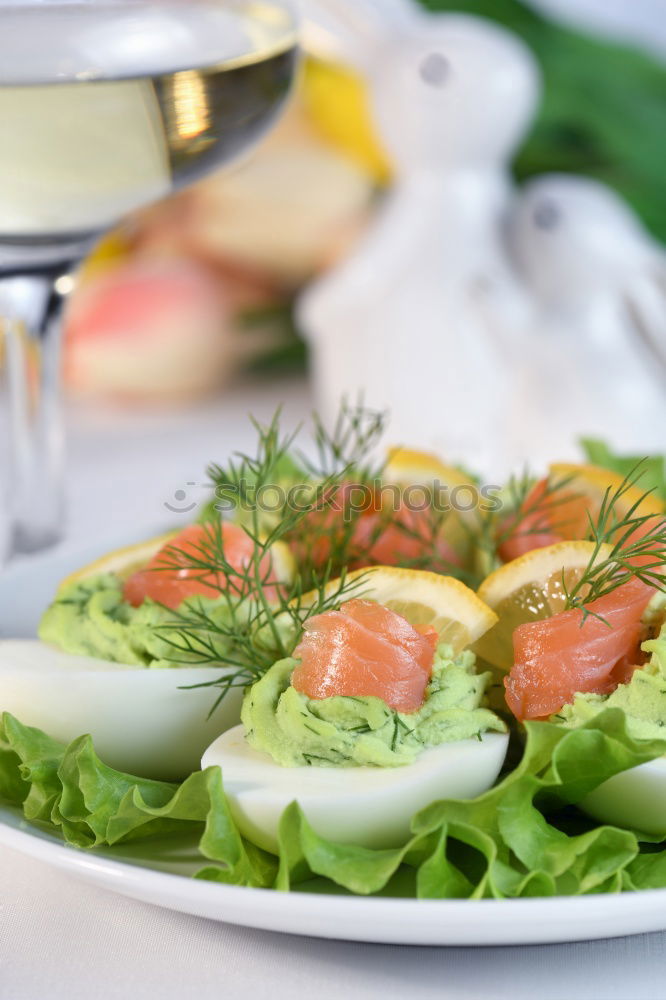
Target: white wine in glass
[104, 107]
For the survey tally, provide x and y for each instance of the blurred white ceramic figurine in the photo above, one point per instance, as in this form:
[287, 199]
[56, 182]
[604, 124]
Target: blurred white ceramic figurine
[599, 291]
[494, 325]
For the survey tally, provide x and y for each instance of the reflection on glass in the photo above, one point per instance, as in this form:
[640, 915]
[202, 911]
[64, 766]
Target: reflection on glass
[105, 106]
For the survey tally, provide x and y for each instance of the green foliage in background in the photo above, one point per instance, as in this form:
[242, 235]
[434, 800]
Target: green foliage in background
[603, 112]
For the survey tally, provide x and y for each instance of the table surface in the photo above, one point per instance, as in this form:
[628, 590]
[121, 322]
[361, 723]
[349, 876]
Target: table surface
[61, 938]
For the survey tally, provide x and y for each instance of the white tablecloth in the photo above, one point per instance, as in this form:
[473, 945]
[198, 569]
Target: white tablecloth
[63, 939]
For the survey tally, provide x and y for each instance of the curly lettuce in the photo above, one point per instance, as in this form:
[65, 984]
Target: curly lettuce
[521, 838]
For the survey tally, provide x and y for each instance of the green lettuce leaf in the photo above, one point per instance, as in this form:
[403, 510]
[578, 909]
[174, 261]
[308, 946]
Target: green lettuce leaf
[647, 871]
[521, 838]
[70, 790]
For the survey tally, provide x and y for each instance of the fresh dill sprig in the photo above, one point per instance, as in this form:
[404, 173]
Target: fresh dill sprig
[350, 445]
[306, 501]
[627, 545]
[251, 619]
[253, 636]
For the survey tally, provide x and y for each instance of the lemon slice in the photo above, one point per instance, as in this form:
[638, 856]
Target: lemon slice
[422, 598]
[123, 562]
[406, 467]
[530, 588]
[421, 468]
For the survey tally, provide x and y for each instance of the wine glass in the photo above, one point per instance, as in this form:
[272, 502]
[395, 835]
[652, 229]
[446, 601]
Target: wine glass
[106, 105]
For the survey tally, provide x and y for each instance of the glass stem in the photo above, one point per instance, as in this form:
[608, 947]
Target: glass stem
[31, 305]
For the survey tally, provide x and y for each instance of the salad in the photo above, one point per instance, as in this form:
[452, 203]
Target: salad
[372, 676]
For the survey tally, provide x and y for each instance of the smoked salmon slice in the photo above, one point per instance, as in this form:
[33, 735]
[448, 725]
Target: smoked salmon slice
[548, 516]
[406, 538]
[365, 649]
[170, 578]
[353, 523]
[544, 520]
[563, 655]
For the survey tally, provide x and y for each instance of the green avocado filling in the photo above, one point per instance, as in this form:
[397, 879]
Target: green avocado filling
[355, 732]
[643, 699]
[90, 618]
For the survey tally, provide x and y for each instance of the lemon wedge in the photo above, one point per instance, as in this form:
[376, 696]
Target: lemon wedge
[422, 598]
[407, 467]
[123, 562]
[530, 588]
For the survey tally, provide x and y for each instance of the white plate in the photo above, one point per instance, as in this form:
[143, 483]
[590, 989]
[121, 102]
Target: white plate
[388, 920]
[353, 918]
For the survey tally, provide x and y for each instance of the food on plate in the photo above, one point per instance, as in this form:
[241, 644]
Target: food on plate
[142, 721]
[411, 511]
[366, 806]
[635, 798]
[129, 611]
[364, 648]
[115, 608]
[641, 696]
[501, 845]
[373, 717]
[529, 588]
[431, 527]
[378, 704]
[577, 624]
[122, 561]
[570, 653]
[183, 568]
[548, 646]
[561, 506]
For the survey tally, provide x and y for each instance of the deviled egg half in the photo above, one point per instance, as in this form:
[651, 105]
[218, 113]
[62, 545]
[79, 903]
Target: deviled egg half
[378, 713]
[567, 666]
[112, 661]
[142, 721]
[636, 798]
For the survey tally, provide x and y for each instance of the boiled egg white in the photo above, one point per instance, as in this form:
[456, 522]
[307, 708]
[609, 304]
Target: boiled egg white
[140, 720]
[368, 806]
[635, 799]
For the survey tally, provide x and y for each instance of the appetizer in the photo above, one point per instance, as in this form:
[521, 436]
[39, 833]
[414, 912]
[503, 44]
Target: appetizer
[560, 507]
[143, 722]
[635, 798]
[114, 608]
[412, 511]
[579, 632]
[359, 670]
[376, 714]
[116, 627]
